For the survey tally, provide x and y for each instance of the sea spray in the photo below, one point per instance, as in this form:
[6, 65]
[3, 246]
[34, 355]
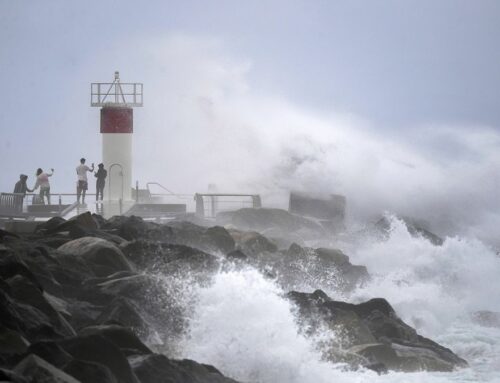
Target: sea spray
[243, 325]
[436, 289]
[429, 286]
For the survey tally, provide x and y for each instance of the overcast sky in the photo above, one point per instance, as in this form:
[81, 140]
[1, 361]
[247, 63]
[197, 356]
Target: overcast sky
[395, 68]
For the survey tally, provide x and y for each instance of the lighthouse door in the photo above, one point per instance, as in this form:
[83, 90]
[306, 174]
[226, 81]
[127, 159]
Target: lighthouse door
[116, 184]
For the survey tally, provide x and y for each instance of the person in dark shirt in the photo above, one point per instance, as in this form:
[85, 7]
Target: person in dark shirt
[21, 186]
[101, 175]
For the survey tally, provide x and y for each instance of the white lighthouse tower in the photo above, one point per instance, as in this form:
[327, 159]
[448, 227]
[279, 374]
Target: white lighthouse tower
[116, 100]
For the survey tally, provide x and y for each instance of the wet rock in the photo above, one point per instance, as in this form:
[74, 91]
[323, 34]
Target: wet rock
[11, 266]
[159, 369]
[89, 372]
[56, 240]
[120, 336]
[131, 228]
[24, 291]
[97, 349]
[212, 240]
[169, 258]
[237, 255]
[218, 238]
[25, 319]
[12, 343]
[133, 286]
[6, 234]
[70, 271]
[415, 228]
[11, 376]
[51, 352]
[252, 243]
[303, 266]
[102, 257]
[51, 225]
[124, 312]
[272, 222]
[36, 369]
[374, 331]
[84, 221]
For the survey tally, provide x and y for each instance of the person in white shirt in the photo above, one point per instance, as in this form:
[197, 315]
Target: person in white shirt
[82, 183]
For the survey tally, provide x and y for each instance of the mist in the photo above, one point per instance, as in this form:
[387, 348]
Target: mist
[204, 122]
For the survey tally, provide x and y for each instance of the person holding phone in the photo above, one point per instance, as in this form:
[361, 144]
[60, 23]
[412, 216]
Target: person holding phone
[82, 184]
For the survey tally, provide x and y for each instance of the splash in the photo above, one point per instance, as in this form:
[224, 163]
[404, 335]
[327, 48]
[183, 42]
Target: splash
[242, 325]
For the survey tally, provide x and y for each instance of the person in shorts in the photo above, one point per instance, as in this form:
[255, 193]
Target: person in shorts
[82, 184]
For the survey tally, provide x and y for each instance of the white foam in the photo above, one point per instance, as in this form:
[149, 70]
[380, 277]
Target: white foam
[244, 326]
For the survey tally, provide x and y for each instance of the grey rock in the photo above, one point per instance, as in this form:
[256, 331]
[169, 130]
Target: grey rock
[38, 370]
[374, 331]
[159, 369]
[102, 257]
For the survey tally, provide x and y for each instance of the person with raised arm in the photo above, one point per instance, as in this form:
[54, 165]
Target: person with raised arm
[82, 184]
[42, 182]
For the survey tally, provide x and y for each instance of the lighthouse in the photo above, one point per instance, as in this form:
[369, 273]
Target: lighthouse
[117, 101]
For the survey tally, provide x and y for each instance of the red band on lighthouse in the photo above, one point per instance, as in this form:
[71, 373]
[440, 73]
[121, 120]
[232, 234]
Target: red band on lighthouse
[117, 120]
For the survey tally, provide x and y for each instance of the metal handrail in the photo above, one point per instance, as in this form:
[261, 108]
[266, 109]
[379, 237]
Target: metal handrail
[170, 193]
[69, 208]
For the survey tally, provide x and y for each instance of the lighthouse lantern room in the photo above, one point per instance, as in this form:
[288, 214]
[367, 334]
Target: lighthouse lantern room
[117, 101]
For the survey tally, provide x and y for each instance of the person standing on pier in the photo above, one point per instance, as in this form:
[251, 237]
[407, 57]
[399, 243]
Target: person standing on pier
[42, 181]
[82, 183]
[20, 189]
[21, 186]
[101, 175]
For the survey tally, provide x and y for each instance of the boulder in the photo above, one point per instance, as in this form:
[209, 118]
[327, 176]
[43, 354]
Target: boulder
[303, 266]
[90, 372]
[12, 265]
[252, 243]
[25, 319]
[70, 271]
[169, 258]
[120, 336]
[211, 240]
[131, 228]
[124, 312]
[36, 369]
[51, 225]
[278, 222]
[156, 368]
[51, 352]
[102, 257]
[24, 291]
[415, 228]
[373, 330]
[11, 376]
[218, 239]
[133, 286]
[97, 349]
[237, 255]
[12, 342]
[85, 221]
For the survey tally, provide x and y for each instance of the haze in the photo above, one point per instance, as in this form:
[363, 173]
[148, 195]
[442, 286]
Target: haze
[395, 104]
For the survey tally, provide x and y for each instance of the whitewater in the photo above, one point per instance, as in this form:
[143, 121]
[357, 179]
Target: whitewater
[241, 323]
